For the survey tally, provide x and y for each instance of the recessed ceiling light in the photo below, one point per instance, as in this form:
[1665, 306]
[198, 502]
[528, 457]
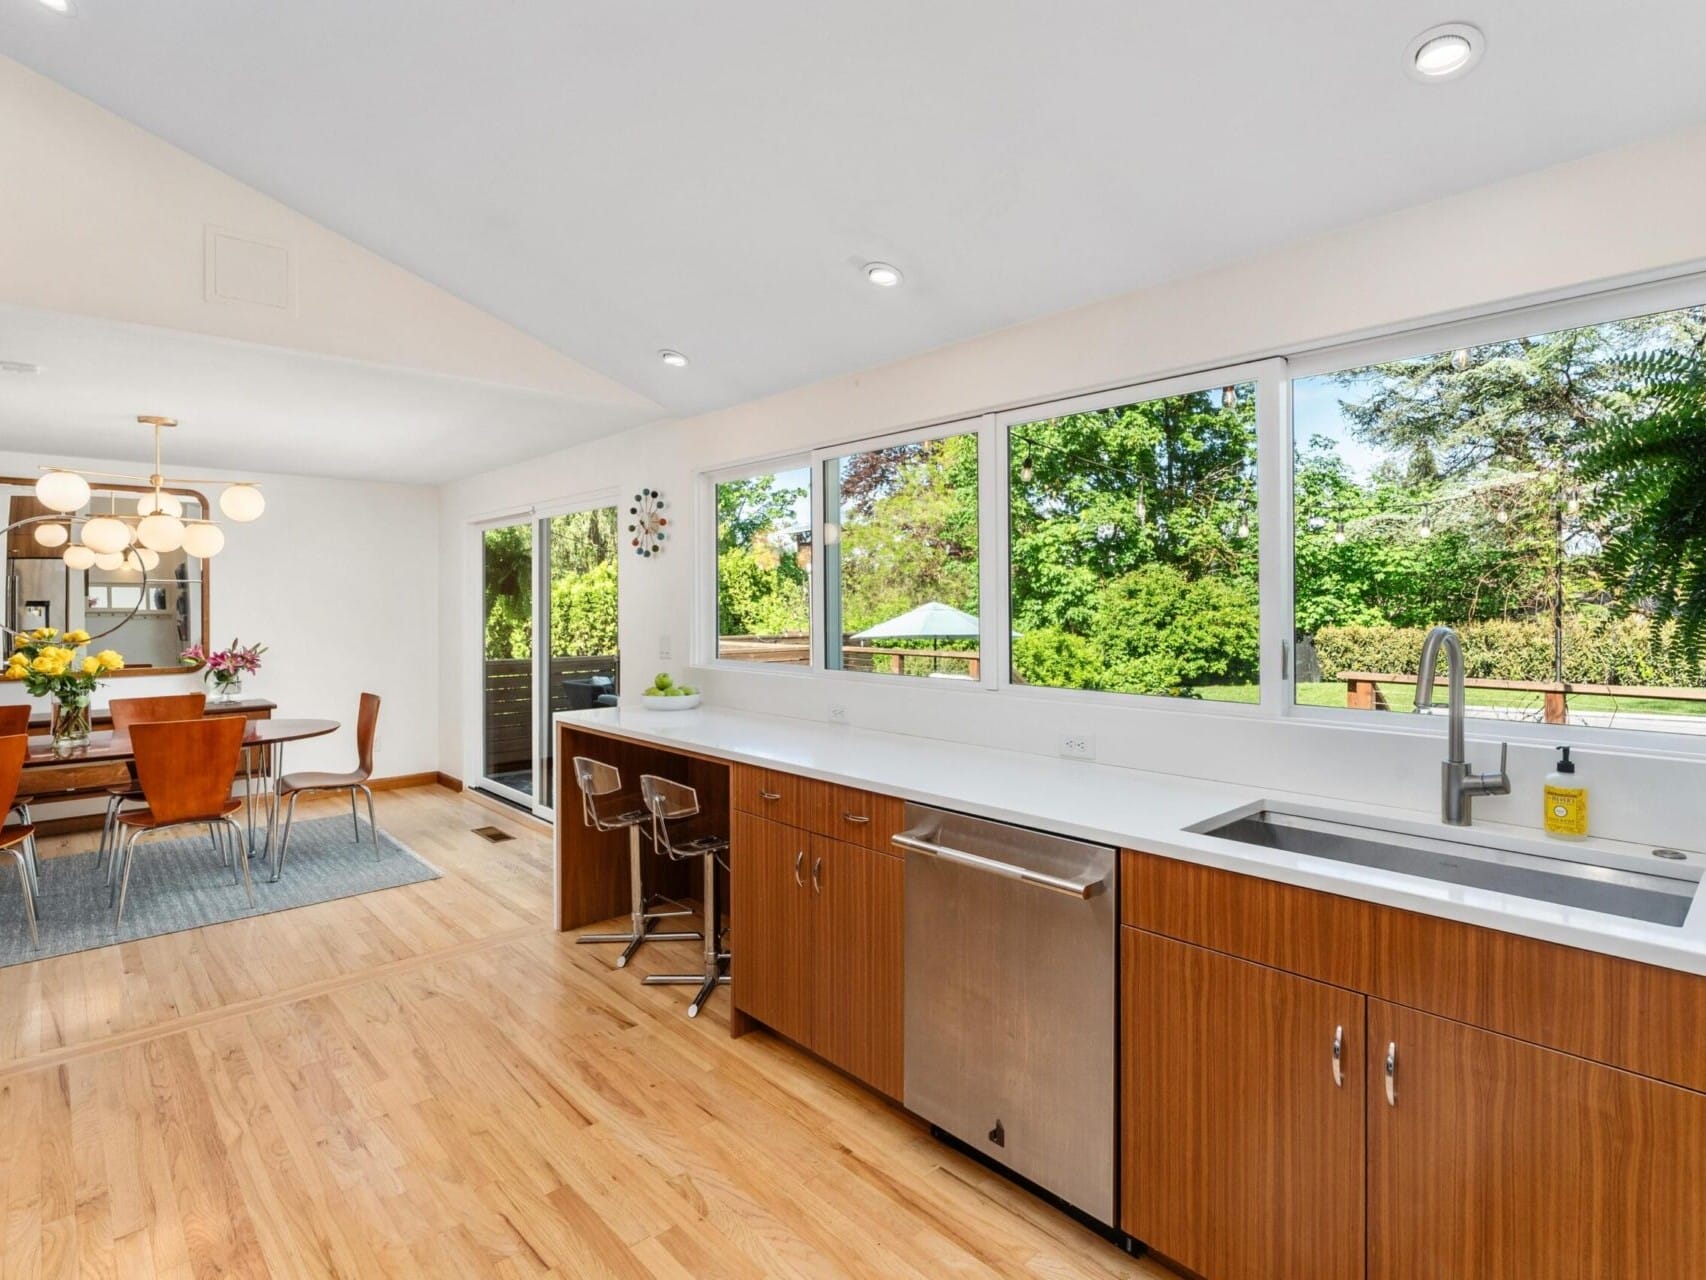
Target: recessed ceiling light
[1445, 52]
[59, 6]
[674, 359]
[882, 275]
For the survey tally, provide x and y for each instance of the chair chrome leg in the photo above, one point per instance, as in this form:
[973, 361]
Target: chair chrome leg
[128, 855]
[372, 822]
[29, 897]
[714, 981]
[354, 821]
[283, 840]
[109, 827]
[248, 884]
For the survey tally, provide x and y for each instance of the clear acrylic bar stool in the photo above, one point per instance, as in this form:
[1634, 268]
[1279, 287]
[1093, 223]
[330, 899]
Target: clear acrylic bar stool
[672, 802]
[606, 808]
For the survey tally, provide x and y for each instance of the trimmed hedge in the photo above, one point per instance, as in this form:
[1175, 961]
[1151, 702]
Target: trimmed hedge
[1596, 651]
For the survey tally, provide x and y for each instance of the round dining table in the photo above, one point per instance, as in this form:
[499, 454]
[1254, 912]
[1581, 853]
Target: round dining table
[263, 757]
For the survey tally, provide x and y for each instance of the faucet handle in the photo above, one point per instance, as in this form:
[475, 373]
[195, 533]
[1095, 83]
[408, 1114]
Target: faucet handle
[1499, 784]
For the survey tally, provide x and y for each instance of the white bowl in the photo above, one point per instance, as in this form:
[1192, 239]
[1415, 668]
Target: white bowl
[686, 703]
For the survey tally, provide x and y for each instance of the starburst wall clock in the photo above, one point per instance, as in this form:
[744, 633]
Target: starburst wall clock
[647, 523]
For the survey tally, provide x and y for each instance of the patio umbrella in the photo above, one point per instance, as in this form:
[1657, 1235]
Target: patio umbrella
[933, 621]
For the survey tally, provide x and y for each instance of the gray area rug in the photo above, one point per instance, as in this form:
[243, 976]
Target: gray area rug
[179, 882]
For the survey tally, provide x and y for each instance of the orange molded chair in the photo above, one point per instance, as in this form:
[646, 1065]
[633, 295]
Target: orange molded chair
[15, 721]
[187, 769]
[126, 714]
[294, 784]
[14, 839]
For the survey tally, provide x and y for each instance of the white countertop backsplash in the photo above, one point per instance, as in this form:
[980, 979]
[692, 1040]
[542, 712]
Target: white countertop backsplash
[1144, 810]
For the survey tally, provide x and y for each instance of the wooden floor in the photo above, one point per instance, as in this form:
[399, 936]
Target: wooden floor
[428, 1081]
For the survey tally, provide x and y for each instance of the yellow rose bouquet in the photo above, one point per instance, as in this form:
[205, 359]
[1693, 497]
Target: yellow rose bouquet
[49, 666]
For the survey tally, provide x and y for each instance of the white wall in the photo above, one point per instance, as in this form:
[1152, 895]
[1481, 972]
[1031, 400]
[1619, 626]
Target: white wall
[1615, 217]
[340, 579]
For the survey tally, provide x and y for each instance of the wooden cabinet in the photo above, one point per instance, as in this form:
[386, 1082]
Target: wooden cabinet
[816, 929]
[1499, 1158]
[1242, 1134]
[770, 923]
[769, 793]
[857, 960]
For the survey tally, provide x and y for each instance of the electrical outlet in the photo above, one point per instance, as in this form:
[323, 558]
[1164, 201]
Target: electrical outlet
[1078, 746]
[663, 646]
[837, 713]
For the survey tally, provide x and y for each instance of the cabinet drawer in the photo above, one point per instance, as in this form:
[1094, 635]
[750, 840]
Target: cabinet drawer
[856, 817]
[769, 793]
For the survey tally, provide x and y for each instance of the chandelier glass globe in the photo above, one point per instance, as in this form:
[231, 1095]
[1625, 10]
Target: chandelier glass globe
[106, 535]
[148, 560]
[109, 560]
[62, 490]
[159, 500]
[78, 557]
[160, 532]
[242, 502]
[52, 535]
[203, 539]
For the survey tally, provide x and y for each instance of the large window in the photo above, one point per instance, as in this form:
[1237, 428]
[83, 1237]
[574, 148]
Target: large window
[764, 553]
[1132, 543]
[901, 559]
[1515, 490]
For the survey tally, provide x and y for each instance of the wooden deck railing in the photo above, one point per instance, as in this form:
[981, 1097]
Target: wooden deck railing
[854, 657]
[508, 711]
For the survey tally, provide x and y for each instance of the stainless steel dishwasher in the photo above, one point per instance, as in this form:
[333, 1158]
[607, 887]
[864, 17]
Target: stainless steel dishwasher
[1011, 949]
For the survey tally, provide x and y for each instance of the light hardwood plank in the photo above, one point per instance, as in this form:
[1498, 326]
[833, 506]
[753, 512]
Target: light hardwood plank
[428, 1081]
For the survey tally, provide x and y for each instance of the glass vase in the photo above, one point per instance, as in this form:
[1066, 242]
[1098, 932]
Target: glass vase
[227, 688]
[70, 723]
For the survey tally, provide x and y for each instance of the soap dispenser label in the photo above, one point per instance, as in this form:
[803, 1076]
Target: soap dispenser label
[1567, 810]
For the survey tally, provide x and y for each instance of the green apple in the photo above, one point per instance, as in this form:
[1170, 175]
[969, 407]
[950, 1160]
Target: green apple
[662, 680]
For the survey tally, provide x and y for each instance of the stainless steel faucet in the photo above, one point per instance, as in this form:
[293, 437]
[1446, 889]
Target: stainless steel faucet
[1458, 786]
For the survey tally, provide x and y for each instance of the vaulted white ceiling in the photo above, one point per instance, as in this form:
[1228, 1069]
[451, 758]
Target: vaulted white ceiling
[613, 178]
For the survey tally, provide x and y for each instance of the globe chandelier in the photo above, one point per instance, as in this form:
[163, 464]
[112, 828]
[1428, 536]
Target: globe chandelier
[134, 539]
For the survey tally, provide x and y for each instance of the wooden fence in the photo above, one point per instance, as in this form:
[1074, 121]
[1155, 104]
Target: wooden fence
[509, 703]
[796, 649]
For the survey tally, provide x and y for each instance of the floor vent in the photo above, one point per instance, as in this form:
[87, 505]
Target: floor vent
[496, 835]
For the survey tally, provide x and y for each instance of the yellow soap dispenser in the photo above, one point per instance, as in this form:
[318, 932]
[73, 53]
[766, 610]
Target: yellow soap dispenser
[1566, 816]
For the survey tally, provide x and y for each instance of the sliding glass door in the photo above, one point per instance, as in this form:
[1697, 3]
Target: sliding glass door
[548, 642]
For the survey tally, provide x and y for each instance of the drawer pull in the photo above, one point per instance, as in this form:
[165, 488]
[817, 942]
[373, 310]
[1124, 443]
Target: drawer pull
[1339, 1056]
[1392, 1074]
[799, 861]
[770, 795]
[860, 818]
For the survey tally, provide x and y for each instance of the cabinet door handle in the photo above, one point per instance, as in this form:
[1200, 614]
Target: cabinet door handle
[817, 875]
[1339, 1056]
[1392, 1074]
[856, 817]
[772, 796]
[799, 861]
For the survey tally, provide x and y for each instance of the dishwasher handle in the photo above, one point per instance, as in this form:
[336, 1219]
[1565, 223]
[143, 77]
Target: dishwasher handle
[1082, 889]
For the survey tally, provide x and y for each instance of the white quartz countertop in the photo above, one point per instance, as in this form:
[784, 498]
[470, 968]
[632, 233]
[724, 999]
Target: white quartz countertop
[1152, 811]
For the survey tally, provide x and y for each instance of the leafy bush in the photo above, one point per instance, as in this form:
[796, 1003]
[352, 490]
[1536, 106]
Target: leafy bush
[1057, 660]
[1598, 649]
[1161, 632]
[755, 599]
[583, 611]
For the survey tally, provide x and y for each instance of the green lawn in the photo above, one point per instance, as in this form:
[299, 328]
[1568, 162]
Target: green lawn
[1331, 693]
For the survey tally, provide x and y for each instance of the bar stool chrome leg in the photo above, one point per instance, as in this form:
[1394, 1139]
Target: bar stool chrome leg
[715, 973]
[642, 922]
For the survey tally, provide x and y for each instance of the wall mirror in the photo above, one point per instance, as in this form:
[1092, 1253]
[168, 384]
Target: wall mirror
[149, 615]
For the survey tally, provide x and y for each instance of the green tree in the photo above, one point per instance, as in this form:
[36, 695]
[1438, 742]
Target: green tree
[1649, 459]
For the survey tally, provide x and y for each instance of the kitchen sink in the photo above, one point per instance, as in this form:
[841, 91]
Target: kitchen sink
[1608, 881]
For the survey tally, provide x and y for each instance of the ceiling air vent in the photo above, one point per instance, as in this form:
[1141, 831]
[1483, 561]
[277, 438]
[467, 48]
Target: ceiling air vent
[243, 269]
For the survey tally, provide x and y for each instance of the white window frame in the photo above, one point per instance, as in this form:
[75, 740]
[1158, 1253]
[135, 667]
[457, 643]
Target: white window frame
[1272, 487]
[1576, 311]
[991, 536]
[705, 636]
